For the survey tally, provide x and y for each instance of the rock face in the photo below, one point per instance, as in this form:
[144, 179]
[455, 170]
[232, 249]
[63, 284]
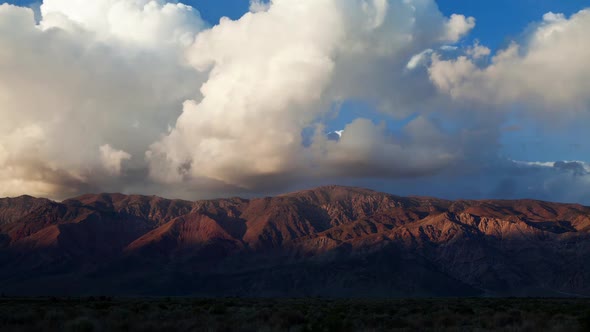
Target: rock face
[331, 241]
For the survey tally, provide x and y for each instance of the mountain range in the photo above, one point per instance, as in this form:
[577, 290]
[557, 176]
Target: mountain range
[331, 241]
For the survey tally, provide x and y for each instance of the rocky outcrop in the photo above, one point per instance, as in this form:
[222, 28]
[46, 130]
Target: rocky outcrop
[332, 241]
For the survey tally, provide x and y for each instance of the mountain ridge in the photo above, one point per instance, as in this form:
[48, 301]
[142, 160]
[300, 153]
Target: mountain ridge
[328, 241]
[297, 192]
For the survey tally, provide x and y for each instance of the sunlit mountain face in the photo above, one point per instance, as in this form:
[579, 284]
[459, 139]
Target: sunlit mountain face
[330, 241]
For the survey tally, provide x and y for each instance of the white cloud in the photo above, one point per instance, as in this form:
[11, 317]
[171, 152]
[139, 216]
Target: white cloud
[223, 111]
[551, 70]
[500, 179]
[449, 48]
[147, 22]
[368, 150]
[575, 166]
[377, 11]
[112, 159]
[565, 181]
[419, 59]
[64, 93]
[261, 92]
[458, 26]
[478, 51]
[259, 6]
[264, 91]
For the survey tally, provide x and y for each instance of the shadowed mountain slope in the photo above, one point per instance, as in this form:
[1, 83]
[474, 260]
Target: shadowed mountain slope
[329, 241]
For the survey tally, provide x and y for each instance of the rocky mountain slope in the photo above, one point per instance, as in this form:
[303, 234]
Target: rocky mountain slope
[330, 241]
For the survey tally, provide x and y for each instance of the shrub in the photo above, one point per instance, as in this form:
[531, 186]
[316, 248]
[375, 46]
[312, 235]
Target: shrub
[82, 324]
[584, 321]
[218, 309]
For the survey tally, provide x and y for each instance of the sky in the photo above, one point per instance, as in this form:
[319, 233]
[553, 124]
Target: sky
[203, 99]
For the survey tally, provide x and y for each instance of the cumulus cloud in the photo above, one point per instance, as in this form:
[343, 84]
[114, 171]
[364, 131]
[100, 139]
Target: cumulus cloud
[112, 159]
[576, 168]
[551, 69]
[366, 149]
[335, 135]
[377, 11]
[478, 51]
[419, 59]
[263, 92]
[458, 26]
[144, 96]
[449, 48]
[502, 179]
[565, 181]
[259, 6]
[65, 93]
[145, 22]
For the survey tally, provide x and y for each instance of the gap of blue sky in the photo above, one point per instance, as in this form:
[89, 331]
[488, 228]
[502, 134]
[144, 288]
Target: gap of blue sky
[501, 21]
[498, 23]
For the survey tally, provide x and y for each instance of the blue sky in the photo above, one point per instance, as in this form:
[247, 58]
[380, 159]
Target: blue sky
[498, 23]
[430, 114]
[497, 20]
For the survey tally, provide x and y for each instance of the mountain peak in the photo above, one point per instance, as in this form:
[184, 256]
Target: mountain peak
[327, 240]
[334, 191]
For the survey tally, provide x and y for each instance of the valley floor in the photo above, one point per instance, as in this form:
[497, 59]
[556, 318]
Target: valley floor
[187, 314]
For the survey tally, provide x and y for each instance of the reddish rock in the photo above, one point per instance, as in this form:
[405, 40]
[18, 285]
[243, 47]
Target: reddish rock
[326, 241]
